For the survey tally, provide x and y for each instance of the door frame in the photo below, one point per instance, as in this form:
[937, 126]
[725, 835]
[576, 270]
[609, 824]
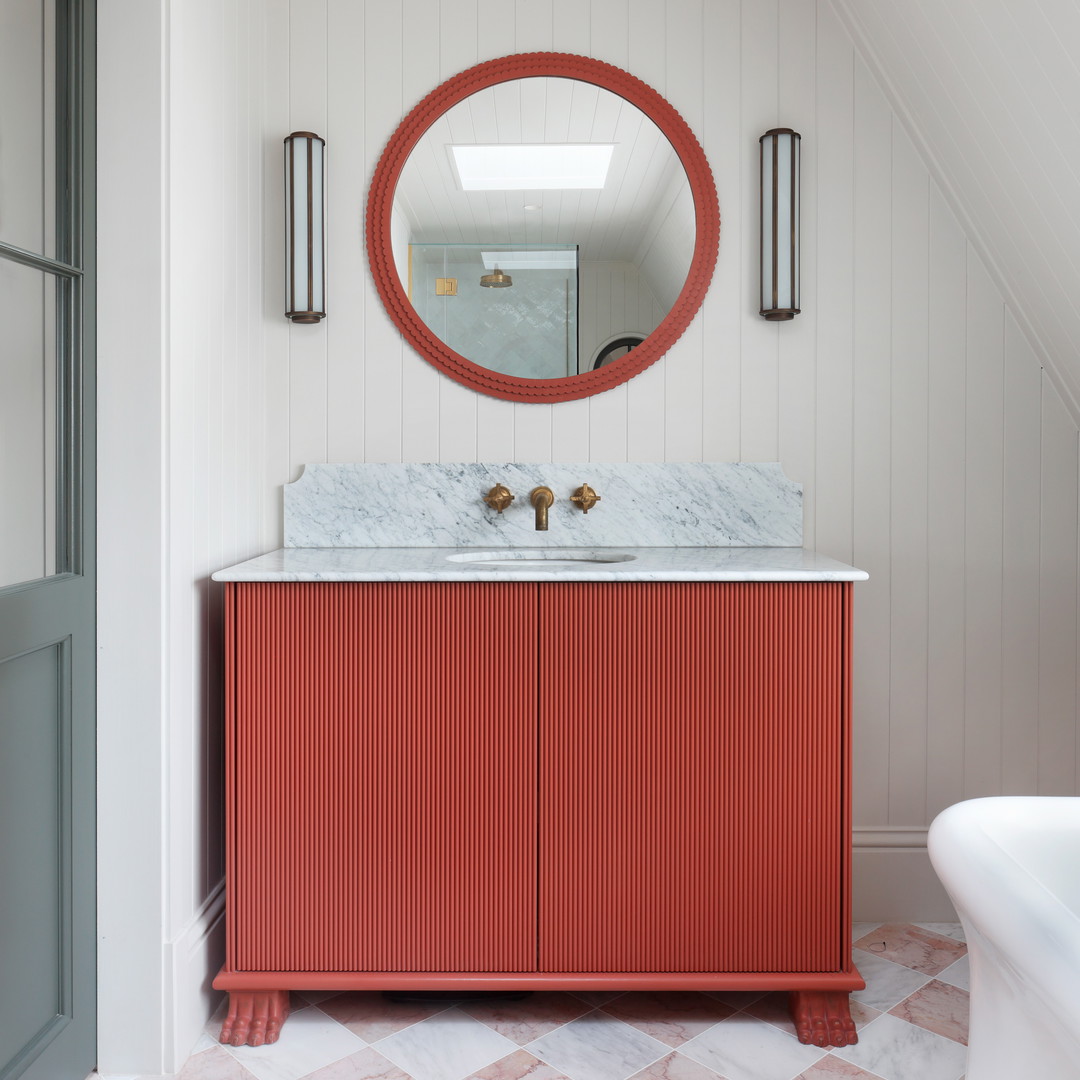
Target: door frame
[59, 610]
[134, 1032]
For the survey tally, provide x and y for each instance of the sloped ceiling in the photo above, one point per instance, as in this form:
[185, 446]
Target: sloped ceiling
[991, 90]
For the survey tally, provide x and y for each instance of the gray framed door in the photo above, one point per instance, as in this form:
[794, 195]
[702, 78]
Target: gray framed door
[47, 607]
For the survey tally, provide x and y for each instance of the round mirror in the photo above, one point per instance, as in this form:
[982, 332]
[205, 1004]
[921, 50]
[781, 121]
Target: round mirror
[531, 213]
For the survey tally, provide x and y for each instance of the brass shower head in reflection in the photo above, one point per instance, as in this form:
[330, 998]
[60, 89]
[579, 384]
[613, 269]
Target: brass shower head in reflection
[496, 280]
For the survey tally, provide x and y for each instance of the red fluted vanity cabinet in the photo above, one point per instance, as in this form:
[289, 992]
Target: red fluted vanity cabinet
[634, 785]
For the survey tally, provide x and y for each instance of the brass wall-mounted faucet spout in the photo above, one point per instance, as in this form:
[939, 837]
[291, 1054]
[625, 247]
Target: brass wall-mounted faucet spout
[542, 498]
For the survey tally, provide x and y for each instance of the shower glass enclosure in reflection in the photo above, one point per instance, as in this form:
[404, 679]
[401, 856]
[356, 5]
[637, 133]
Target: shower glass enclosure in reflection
[528, 329]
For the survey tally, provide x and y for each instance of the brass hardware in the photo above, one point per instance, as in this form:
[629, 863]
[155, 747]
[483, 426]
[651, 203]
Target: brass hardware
[499, 498]
[541, 498]
[585, 498]
[496, 280]
[305, 262]
[446, 286]
[779, 199]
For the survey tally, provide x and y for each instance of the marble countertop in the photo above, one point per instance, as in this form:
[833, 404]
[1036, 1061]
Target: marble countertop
[542, 564]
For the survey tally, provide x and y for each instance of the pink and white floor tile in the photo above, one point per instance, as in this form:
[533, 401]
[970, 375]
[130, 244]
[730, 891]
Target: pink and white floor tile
[911, 1018]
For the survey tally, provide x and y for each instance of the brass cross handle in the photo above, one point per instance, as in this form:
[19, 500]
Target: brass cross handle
[499, 498]
[585, 498]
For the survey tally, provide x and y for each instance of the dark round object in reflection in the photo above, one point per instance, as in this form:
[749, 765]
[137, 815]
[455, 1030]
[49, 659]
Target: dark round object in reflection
[617, 349]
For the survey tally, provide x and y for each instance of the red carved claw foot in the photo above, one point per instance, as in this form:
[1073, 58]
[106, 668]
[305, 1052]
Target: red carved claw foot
[822, 1017]
[255, 1017]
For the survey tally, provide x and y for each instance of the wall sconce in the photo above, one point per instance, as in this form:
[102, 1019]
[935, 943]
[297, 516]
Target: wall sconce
[780, 224]
[305, 250]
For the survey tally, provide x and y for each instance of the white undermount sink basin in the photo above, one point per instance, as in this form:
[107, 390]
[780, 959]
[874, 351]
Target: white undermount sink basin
[513, 558]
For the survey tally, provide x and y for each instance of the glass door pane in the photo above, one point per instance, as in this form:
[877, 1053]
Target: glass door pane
[28, 435]
[28, 125]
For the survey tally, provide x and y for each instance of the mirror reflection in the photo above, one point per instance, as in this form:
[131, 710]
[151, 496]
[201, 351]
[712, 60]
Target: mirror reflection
[538, 223]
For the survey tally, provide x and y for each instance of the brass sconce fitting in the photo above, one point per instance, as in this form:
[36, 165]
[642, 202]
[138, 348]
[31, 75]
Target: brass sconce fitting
[499, 498]
[584, 498]
[305, 227]
[780, 224]
[542, 498]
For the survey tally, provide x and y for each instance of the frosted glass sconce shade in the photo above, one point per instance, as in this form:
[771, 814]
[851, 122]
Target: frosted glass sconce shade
[305, 252]
[780, 223]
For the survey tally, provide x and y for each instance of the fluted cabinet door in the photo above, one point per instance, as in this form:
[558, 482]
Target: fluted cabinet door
[382, 760]
[693, 777]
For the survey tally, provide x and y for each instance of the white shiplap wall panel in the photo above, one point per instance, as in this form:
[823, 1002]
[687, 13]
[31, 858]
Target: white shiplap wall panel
[834, 272]
[797, 344]
[759, 380]
[1020, 558]
[983, 455]
[909, 539]
[532, 432]
[570, 432]
[871, 457]
[1057, 607]
[571, 29]
[534, 27]
[722, 311]
[906, 398]
[307, 343]
[946, 438]
[344, 256]
[276, 337]
[376, 87]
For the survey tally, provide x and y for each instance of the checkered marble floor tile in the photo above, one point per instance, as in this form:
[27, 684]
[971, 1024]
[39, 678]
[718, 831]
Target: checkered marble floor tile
[912, 1022]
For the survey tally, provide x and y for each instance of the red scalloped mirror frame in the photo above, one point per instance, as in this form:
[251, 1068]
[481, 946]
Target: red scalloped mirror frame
[525, 66]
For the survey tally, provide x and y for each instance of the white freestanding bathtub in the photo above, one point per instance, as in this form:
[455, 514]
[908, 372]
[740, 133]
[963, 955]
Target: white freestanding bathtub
[1012, 868]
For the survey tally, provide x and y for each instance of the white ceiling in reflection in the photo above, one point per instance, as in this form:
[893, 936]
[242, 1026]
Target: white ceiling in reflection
[644, 181]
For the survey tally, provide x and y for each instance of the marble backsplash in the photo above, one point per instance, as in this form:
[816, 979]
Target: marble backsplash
[685, 504]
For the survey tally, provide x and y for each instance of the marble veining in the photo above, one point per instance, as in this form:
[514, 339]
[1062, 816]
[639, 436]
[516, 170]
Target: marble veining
[693, 504]
[914, 947]
[448, 1046]
[740, 1049]
[887, 984]
[598, 1047]
[888, 1047]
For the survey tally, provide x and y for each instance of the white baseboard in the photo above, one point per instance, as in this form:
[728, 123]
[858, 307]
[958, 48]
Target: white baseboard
[892, 878]
[888, 837]
[192, 959]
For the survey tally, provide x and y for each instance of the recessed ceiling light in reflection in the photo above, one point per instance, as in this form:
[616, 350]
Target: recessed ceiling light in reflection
[545, 167]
